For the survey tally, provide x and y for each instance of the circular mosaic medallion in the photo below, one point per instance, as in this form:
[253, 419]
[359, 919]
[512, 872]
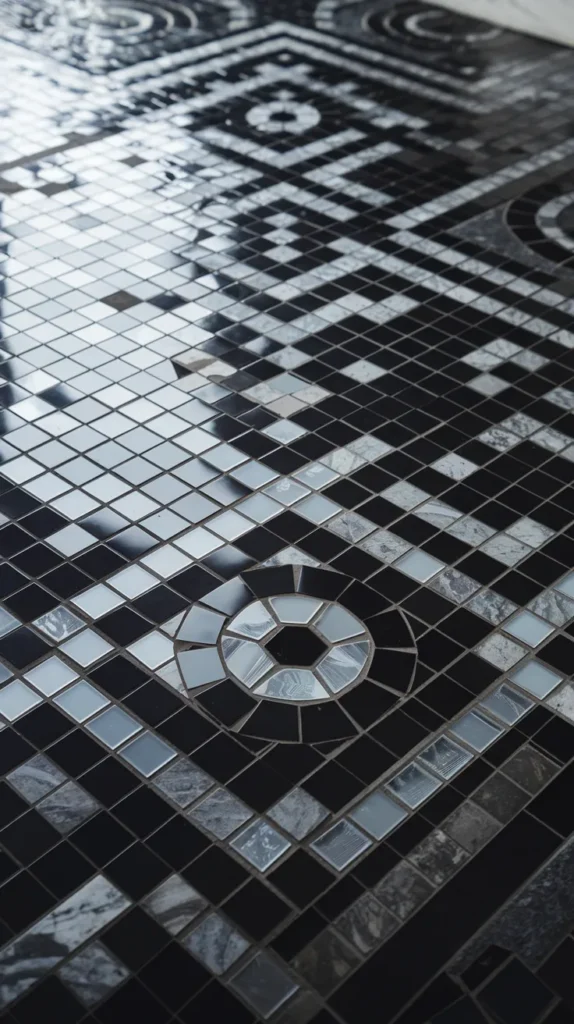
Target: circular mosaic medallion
[284, 114]
[430, 27]
[102, 35]
[543, 220]
[123, 20]
[295, 654]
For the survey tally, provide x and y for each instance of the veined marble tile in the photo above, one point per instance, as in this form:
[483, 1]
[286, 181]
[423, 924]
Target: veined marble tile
[25, 960]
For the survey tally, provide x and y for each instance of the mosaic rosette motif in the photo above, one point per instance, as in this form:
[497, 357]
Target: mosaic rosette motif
[543, 220]
[430, 27]
[292, 653]
[104, 35]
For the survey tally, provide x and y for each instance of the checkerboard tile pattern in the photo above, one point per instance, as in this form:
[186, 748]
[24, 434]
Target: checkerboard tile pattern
[280, 290]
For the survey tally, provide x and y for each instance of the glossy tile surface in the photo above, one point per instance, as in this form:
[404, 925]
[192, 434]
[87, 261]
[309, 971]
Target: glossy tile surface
[286, 456]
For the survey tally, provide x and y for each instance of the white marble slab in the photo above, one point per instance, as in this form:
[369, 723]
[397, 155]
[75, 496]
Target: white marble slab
[549, 19]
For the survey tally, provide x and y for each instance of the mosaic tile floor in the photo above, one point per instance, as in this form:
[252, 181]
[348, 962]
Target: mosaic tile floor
[286, 506]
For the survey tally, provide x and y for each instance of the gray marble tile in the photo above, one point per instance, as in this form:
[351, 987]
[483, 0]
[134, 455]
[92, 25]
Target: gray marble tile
[369, 447]
[553, 606]
[216, 944]
[403, 890]
[437, 513]
[366, 923]
[536, 919]
[470, 530]
[405, 495]
[326, 961]
[183, 783]
[385, 546]
[490, 606]
[67, 807]
[500, 651]
[93, 974]
[505, 549]
[500, 797]
[438, 857]
[43, 946]
[530, 532]
[530, 769]
[499, 438]
[290, 556]
[454, 466]
[220, 813]
[351, 526]
[174, 904]
[298, 813]
[562, 701]
[36, 778]
[471, 826]
[454, 585]
[264, 985]
[343, 461]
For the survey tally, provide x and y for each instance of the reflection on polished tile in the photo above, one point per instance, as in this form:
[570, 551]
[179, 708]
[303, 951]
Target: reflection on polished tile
[254, 622]
[413, 785]
[260, 844]
[343, 664]
[201, 626]
[246, 660]
[338, 624]
[378, 814]
[220, 813]
[264, 985]
[292, 684]
[298, 813]
[445, 757]
[478, 731]
[536, 679]
[286, 451]
[341, 844]
[200, 666]
[295, 608]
